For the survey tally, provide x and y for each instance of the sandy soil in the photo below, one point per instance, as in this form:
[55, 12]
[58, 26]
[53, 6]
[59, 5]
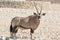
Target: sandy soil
[49, 28]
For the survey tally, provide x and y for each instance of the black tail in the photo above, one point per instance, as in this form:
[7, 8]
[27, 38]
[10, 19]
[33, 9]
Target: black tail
[11, 28]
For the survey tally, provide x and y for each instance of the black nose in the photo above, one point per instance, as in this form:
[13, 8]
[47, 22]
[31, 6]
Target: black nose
[39, 17]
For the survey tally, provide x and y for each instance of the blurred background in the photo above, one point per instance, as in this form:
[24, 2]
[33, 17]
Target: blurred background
[49, 27]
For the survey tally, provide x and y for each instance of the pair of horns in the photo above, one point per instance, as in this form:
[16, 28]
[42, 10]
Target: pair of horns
[36, 8]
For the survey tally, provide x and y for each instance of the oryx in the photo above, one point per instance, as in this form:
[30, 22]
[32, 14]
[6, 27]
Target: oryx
[31, 22]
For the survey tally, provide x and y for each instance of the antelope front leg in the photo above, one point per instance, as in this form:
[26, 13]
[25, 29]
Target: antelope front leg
[31, 32]
[31, 35]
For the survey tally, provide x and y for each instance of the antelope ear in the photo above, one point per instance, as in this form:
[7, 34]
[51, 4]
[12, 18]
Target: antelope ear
[34, 13]
[43, 14]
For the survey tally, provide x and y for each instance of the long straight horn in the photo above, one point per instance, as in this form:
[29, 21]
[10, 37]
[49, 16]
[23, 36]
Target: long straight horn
[35, 6]
[41, 9]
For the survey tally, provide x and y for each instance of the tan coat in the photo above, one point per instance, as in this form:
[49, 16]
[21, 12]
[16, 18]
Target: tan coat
[30, 22]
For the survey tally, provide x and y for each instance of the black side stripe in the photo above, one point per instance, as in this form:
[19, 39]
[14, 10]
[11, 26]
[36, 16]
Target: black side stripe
[24, 27]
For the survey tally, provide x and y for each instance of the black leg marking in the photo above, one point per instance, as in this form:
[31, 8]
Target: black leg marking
[13, 29]
[32, 31]
[16, 31]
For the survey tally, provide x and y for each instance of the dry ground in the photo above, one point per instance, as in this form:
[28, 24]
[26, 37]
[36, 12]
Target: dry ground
[49, 28]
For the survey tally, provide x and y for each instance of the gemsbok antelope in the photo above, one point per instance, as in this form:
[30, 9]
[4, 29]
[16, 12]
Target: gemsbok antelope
[31, 22]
